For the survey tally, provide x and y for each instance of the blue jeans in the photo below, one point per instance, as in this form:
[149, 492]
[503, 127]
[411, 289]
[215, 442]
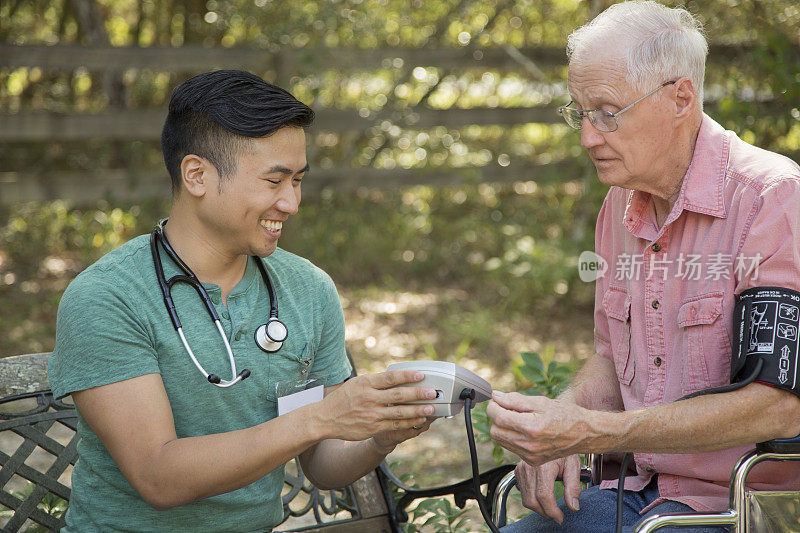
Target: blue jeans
[598, 513]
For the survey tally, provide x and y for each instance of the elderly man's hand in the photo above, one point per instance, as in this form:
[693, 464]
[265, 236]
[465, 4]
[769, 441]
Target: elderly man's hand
[539, 429]
[537, 485]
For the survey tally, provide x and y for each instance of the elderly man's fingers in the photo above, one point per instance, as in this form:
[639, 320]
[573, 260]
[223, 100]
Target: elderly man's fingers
[546, 475]
[572, 482]
[507, 438]
[545, 490]
[508, 419]
[515, 401]
[526, 481]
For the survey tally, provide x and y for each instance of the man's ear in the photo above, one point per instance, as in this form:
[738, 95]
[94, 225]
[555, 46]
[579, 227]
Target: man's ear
[197, 173]
[685, 99]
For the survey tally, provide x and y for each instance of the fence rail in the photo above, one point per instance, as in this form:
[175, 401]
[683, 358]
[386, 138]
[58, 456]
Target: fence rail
[197, 58]
[132, 185]
[120, 124]
[146, 124]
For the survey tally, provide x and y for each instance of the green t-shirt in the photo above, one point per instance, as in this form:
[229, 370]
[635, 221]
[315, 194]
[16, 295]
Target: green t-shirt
[113, 325]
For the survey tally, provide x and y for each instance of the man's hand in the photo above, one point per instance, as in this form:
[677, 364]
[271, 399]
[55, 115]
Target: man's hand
[537, 485]
[387, 440]
[539, 429]
[367, 406]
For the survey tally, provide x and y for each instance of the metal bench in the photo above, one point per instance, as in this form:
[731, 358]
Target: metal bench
[38, 442]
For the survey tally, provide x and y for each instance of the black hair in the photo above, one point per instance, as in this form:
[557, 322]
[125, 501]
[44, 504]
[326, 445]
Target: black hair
[213, 115]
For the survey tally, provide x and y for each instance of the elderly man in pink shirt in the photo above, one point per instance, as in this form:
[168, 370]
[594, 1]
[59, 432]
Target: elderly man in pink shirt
[694, 216]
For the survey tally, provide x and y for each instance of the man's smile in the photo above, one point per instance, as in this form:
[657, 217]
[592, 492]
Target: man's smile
[273, 226]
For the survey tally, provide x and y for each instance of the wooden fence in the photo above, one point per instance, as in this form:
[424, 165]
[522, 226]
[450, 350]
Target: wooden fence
[120, 124]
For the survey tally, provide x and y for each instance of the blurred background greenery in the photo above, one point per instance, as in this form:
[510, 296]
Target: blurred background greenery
[446, 199]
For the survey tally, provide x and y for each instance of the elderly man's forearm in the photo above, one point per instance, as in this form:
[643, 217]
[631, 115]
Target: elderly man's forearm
[708, 423]
[595, 386]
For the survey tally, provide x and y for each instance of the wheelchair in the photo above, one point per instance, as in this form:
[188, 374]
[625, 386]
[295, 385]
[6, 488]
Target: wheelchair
[749, 511]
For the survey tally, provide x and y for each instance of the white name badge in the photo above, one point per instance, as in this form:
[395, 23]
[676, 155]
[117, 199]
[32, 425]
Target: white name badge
[290, 402]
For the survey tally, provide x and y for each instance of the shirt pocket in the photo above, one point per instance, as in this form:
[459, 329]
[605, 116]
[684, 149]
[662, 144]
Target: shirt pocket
[703, 340]
[292, 362]
[617, 305]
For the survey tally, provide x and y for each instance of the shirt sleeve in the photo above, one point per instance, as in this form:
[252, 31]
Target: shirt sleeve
[99, 338]
[770, 252]
[331, 358]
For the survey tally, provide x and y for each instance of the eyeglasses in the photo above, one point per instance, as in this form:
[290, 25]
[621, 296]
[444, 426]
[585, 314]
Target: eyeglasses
[602, 120]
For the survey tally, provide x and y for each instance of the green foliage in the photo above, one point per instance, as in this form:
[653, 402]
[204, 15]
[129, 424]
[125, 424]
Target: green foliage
[58, 230]
[542, 379]
[440, 517]
[547, 380]
[50, 504]
[434, 515]
[42, 247]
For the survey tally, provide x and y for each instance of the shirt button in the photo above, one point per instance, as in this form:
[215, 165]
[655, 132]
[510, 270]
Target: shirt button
[655, 304]
[657, 361]
[656, 247]
[238, 335]
[225, 315]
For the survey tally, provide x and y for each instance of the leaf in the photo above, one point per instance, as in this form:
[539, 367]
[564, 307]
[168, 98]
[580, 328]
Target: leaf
[532, 359]
[498, 455]
[430, 351]
[532, 375]
[432, 520]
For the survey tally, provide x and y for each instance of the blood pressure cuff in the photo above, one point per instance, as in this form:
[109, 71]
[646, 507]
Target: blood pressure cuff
[765, 325]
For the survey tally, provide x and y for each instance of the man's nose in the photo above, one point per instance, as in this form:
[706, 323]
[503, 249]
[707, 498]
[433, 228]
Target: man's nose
[289, 199]
[590, 136]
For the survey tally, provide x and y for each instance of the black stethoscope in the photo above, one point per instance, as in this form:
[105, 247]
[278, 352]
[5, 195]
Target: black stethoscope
[269, 336]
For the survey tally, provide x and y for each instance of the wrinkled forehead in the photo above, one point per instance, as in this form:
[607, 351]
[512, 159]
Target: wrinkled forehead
[597, 79]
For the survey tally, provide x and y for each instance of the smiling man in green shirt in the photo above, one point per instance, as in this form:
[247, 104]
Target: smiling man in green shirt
[162, 447]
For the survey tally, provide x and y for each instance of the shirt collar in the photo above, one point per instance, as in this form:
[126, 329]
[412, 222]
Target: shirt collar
[251, 273]
[702, 187]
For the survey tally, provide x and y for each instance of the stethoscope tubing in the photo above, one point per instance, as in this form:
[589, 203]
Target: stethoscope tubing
[222, 382]
[189, 277]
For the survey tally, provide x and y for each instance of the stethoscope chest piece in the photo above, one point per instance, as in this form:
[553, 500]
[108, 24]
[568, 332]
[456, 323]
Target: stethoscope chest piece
[271, 336]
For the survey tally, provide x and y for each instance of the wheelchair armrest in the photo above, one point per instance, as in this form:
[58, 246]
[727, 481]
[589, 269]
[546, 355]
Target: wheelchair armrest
[780, 446]
[652, 523]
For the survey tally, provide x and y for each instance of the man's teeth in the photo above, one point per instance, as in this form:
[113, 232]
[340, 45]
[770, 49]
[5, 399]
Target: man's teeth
[272, 225]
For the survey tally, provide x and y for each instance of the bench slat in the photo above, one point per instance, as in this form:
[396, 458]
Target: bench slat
[23, 373]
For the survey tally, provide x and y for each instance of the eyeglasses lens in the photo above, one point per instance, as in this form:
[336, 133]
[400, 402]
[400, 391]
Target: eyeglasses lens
[603, 121]
[572, 117]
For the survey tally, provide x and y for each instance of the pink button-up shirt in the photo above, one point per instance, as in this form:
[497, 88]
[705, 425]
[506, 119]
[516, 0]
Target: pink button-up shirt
[664, 308]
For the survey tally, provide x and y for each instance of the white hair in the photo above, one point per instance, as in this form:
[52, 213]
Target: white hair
[661, 43]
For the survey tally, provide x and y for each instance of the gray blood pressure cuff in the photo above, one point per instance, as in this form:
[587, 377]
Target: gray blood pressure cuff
[765, 328]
